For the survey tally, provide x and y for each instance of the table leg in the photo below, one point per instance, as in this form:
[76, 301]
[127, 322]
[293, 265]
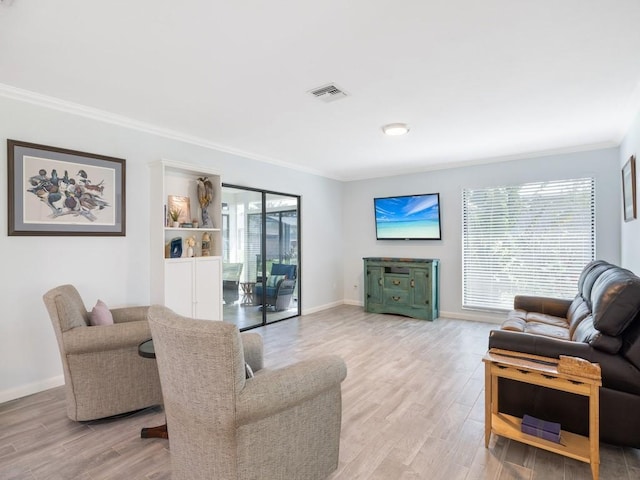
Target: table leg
[488, 388]
[155, 432]
[594, 431]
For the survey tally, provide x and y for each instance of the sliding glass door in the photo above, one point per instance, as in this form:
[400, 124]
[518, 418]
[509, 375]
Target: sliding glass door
[261, 275]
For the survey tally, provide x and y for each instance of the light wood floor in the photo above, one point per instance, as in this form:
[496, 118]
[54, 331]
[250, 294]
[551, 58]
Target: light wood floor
[412, 409]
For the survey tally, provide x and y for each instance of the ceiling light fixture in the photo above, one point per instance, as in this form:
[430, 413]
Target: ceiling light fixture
[395, 129]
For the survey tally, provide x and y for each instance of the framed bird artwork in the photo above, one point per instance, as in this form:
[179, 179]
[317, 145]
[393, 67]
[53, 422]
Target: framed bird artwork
[57, 191]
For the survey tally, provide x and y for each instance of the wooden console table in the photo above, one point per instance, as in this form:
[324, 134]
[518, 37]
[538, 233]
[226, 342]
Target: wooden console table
[568, 375]
[402, 286]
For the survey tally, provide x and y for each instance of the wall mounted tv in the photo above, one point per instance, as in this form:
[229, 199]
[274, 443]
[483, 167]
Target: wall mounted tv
[408, 217]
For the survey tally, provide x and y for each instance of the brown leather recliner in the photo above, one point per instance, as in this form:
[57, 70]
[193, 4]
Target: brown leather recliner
[602, 325]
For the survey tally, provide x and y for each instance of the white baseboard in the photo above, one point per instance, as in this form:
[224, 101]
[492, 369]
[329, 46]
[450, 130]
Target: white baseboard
[31, 388]
[487, 317]
[308, 311]
[354, 302]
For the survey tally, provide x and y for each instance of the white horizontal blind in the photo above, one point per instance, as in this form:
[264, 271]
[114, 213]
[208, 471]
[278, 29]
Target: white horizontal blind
[531, 239]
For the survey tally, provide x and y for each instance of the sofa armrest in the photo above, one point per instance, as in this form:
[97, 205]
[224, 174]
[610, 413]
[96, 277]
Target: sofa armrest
[550, 306]
[538, 344]
[274, 391]
[129, 314]
[253, 350]
[617, 372]
[103, 338]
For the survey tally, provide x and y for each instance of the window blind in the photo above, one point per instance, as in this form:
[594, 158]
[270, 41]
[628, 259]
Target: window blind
[529, 239]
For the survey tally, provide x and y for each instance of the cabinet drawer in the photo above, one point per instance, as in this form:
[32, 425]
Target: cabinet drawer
[396, 281]
[396, 297]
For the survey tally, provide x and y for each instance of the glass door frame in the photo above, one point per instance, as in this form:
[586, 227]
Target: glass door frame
[263, 248]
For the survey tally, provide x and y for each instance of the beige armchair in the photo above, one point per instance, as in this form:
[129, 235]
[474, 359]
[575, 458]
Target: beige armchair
[279, 424]
[103, 373]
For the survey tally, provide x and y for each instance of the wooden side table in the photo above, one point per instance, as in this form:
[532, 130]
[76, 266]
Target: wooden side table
[568, 375]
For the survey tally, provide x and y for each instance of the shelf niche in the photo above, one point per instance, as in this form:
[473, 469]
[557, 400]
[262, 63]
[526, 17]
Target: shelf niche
[180, 179]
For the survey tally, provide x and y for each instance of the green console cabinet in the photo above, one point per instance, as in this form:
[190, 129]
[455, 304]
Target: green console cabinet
[402, 286]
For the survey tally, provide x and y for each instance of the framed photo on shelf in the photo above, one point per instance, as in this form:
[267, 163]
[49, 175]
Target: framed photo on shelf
[629, 189]
[61, 192]
[182, 205]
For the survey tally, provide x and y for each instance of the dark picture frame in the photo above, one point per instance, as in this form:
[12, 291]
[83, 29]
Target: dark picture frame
[61, 192]
[629, 189]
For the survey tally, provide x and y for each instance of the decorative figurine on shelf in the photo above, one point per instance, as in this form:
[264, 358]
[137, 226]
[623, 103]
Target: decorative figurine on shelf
[176, 248]
[205, 194]
[206, 244]
[191, 242]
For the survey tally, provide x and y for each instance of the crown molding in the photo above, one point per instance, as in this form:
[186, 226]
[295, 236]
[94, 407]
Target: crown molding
[54, 103]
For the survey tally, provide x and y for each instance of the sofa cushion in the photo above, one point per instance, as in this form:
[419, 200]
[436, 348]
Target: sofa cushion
[522, 321]
[578, 311]
[631, 343]
[536, 317]
[547, 330]
[587, 333]
[515, 321]
[588, 277]
[615, 301]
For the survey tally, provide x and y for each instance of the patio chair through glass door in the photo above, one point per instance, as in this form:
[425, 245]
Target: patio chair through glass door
[261, 241]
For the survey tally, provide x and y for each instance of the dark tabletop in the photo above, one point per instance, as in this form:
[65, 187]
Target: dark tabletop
[145, 349]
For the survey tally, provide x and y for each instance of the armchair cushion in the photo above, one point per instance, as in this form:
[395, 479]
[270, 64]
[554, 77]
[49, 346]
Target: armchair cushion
[100, 314]
[284, 269]
[71, 313]
[273, 280]
[253, 350]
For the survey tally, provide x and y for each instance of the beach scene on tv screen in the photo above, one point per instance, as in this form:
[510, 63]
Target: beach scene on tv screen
[416, 216]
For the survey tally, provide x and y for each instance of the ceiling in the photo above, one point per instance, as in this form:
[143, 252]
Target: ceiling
[476, 81]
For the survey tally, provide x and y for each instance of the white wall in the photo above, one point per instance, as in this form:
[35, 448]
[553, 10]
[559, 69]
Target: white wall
[630, 231]
[116, 270]
[359, 223]
[336, 223]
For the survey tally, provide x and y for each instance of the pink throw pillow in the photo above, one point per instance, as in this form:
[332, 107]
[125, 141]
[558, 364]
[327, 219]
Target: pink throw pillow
[100, 315]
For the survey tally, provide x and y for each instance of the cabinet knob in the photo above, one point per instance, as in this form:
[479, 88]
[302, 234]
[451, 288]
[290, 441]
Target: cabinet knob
[396, 299]
[396, 282]
[413, 283]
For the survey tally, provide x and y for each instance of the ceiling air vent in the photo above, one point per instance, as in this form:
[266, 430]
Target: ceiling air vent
[328, 93]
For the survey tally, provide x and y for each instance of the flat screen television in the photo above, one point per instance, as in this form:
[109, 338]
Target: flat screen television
[408, 217]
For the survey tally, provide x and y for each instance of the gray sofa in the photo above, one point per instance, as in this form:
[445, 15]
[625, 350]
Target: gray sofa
[602, 325]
